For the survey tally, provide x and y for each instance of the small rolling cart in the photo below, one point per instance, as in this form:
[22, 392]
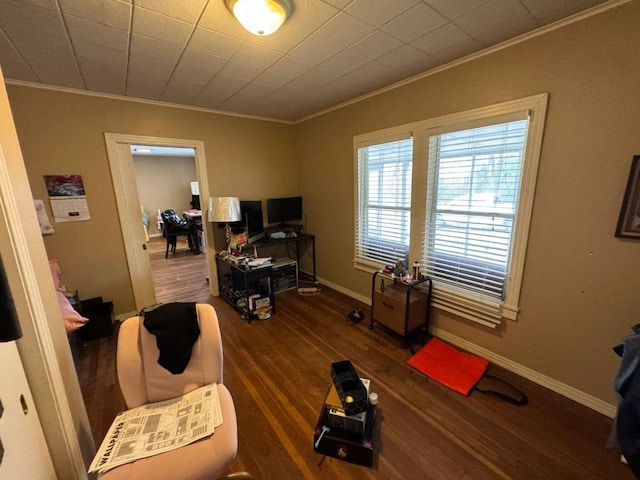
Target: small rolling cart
[401, 307]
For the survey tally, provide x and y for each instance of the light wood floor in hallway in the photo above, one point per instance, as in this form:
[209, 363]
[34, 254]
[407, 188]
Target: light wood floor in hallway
[278, 371]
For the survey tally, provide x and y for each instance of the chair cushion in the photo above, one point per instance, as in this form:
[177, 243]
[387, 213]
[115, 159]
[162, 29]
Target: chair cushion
[205, 459]
[142, 380]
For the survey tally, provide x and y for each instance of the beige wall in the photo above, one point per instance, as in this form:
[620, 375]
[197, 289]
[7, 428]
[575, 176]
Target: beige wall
[164, 182]
[580, 288]
[64, 133]
[581, 285]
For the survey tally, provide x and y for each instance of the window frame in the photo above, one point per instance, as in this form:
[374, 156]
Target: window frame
[488, 312]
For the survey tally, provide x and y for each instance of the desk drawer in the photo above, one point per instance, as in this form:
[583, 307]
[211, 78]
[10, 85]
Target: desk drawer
[389, 311]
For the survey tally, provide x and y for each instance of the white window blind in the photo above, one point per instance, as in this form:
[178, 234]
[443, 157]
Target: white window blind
[472, 199]
[384, 202]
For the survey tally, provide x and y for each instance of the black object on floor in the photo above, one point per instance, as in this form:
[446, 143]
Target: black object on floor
[100, 322]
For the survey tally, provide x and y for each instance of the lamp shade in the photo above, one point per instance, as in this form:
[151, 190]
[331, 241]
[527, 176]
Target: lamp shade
[260, 17]
[224, 209]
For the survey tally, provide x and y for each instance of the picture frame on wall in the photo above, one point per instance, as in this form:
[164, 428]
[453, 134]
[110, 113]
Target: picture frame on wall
[629, 221]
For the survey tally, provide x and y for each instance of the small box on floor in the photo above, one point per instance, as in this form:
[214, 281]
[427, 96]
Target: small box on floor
[99, 314]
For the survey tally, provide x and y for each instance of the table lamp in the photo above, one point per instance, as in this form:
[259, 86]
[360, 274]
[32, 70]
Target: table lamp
[225, 210]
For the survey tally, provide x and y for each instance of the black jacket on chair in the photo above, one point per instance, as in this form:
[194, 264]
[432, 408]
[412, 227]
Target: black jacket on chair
[173, 226]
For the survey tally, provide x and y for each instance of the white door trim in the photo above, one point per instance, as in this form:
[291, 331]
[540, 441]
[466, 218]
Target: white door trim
[28, 274]
[127, 200]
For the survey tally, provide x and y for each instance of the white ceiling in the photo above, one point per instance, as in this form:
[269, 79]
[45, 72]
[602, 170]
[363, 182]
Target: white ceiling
[193, 52]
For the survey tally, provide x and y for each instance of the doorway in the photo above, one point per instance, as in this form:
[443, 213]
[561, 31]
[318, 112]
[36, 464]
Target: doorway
[166, 179]
[128, 203]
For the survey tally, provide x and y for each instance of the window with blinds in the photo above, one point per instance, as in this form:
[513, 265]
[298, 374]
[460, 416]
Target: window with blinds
[472, 197]
[384, 202]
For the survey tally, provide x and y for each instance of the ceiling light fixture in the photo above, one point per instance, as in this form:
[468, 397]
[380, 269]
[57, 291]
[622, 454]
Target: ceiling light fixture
[260, 17]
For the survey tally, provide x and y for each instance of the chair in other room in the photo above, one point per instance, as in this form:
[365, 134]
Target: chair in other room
[173, 227]
[143, 380]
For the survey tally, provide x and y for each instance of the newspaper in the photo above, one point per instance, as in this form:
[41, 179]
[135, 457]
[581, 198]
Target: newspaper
[159, 427]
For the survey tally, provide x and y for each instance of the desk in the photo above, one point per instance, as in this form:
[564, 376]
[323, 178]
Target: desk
[301, 238]
[194, 219]
[238, 283]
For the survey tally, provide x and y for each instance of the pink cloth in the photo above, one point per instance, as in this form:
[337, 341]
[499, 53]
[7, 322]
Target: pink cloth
[72, 319]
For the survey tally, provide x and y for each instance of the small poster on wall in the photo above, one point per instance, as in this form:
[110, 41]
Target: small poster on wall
[67, 198]
[43, 218]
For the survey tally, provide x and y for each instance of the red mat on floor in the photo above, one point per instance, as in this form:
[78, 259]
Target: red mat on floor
[454, 369]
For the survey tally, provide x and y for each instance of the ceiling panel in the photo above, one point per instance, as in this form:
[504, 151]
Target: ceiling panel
[497, 21]
[362, 52]
[334, 36]
[546, 11]
[48, 4]
[186, 11]
[453, 9]
[44, 45]
[379, 12]
[214, 43]
[447, 43]
[156, 25]
[414, 22]
[165, 52]
[86, 32]
[13, 62]
[272, 79]
[112, 13]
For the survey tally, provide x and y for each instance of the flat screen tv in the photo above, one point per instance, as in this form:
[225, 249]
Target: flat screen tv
[283, 210]
[254, 225]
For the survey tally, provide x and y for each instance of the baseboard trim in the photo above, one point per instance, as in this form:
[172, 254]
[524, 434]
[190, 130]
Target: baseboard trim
[563, 389]
[346, 291]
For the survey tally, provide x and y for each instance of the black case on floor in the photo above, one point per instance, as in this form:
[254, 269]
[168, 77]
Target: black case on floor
[100, 322]
[344, 445]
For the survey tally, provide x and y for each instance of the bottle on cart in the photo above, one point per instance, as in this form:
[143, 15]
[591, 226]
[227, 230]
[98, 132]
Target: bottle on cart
[416, 270]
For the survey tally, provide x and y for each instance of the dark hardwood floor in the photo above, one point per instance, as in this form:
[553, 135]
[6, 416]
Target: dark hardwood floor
[278, 371]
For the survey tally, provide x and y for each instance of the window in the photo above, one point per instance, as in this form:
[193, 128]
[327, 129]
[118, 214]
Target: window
[384, 201]
[474, 175]
[472, 192]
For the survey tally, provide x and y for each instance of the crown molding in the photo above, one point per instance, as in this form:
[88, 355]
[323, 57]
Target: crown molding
[112, 96]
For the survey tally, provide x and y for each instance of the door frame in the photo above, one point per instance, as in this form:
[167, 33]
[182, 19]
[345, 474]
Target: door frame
[128, 204]
[43, 348]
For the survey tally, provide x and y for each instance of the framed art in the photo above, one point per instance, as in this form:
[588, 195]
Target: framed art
[629, 221]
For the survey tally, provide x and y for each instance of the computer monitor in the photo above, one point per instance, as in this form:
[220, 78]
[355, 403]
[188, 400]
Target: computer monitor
[254, 225]
[246, 206]
[283, 210]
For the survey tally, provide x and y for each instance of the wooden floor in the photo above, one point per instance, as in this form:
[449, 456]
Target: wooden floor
[278, 371]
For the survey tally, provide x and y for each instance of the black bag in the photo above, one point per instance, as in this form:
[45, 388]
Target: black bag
[500, 388]
[173, 220]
